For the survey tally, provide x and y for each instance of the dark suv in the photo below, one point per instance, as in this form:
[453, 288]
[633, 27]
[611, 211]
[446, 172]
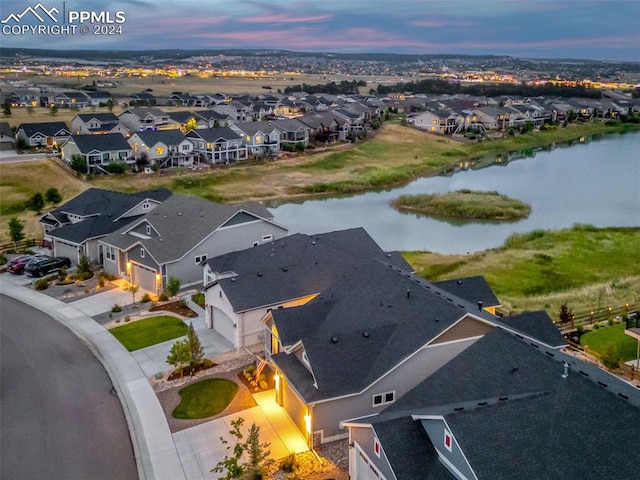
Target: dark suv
[16, 266]
[41, 266]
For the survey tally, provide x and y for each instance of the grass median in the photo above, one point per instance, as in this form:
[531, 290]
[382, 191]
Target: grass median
[205, 398]
[149, 331]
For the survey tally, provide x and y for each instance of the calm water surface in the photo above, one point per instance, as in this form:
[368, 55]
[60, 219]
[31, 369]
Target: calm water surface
[596, 183]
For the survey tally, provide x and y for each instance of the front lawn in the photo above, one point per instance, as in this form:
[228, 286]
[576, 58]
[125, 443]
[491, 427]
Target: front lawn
[205, 398]
[149, 331]
[598, 340]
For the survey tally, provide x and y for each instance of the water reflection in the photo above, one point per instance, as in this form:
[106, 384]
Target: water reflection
[595, 182]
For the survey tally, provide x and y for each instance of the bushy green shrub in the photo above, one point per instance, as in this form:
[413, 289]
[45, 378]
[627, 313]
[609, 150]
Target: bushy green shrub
[116, 308]
[146, 298]
[42, 283]
[289, 463]
[3, 260]
[198, 299]
[117, 167]
[163, 297]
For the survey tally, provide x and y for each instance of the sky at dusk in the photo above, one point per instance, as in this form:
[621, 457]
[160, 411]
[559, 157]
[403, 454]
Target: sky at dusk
[603, 30]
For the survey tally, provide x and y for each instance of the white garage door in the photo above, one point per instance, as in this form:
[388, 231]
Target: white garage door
[365, 469]
[144, 277]
[223, 324]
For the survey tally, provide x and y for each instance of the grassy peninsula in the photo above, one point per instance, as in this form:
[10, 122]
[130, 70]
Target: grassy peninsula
[585, 267]
[465, 204]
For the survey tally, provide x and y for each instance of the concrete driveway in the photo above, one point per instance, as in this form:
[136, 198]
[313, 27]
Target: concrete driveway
[104, 302]
[200, 448]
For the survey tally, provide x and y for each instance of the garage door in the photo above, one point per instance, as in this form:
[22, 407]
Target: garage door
[365, 469]
[294, 407]
[144, 277]
[223, 324]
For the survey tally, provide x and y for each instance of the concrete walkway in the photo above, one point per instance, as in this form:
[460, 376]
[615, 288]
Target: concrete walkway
[191, 453]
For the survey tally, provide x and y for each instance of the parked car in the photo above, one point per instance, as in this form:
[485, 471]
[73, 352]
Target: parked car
[16, 266]
[39, 267]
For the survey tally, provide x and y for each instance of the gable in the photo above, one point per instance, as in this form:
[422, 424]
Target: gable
[239, 218]
[466, 328]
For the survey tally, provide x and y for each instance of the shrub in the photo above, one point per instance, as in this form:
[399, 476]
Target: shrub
[83, 276]
[146, 298]
[250, 369]
[198, 299]
[62, 274]
[84, 266]
[289, 463]
[163, 297]
[116, 308]
[117, 167]
[79, 164]
[101, 281]
[42, 283]
[3, 260]
[580, 328]
[182, 303]
[263, 385]
[611, 357]
[127, 318]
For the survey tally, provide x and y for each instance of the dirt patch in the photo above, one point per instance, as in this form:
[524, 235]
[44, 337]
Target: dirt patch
[76, 290]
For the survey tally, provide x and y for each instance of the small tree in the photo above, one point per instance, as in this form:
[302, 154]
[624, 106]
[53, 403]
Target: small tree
[21, 144]
[84, 267]
[79, 164]
[257, 453]
[52, 195]
[110, 105]
[172, 287]
[611, 357]
[133, 289]
[231, 465]
[566, 315]
[142, 161]
[30, 110]
[53, 111]
[179, 356]
[36, 202]
[196, 350]
[6, 109]
[16, 231]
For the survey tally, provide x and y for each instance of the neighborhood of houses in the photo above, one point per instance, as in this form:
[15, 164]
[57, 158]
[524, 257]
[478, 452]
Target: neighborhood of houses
[423, 378]
[222, 129]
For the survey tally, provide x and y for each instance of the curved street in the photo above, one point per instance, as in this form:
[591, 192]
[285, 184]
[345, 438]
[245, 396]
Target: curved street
[60, 416]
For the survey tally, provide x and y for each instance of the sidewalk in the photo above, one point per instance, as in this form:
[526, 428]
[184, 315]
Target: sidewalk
[154, 447]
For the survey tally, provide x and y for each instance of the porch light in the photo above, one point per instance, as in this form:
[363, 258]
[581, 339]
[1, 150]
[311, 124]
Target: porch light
[307, 423]
[128, 268]
[158, 278]
[276, 377]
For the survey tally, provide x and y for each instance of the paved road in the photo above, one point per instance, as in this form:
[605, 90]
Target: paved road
[59, 419]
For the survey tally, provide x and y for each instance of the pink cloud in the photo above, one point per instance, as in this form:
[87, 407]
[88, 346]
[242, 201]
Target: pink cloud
[284, 18]
[441, 23]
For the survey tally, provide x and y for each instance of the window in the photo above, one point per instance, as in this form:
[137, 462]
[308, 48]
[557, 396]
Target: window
[159, 150]
[110, 253]
[384, 398]
[448, 441]
[148, 229]
[267, 238]
[142, 253]
[376, 447]
[145, 206]
[200, 258]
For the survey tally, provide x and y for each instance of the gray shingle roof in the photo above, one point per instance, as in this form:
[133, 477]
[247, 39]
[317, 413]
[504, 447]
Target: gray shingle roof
[182, 222]
[168, 137]
[515, 416]
[50, 129]
[473, 289]
[102, 117]
[214, 134]
[537, 325]
[251, 128]
[101, 143]
[324, 255]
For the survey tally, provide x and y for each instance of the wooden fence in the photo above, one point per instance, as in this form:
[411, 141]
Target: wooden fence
[604, 314]
[21, 245]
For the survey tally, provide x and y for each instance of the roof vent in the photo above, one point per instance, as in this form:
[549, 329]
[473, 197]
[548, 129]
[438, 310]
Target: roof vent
[459, 282]
[565, 374]
[408, 293]
[313, 242]
[179, 214]
[514, 369]
[365, 334]
[284, 269]
[334, 339]
[233, 279]
[164, 216]
[259, 274]
[480, 305]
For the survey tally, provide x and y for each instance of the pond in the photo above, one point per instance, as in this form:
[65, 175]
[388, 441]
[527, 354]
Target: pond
[590, 182]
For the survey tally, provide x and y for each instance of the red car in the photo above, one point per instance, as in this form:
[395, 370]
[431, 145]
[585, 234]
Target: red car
[16, 266]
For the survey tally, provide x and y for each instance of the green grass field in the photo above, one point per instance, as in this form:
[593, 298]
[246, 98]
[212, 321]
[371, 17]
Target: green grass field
[585, 267]
[464, 204]
[205, 398]
[150, 331]
[598, 340]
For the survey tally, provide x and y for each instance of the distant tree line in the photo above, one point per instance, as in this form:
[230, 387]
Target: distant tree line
[436, 86]
[332, 88]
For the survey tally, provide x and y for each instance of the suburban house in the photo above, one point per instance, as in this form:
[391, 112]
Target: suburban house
[6, 137]
[238, 111]
[24, 97]
[146, 118]
[181, 99]
[260, 138]
[218, 145]
[504, 408]
[349, 328]
[71, 99]
[185, 120]
[73, 229]
[324, 127]
[493, 118]
[98, 99]
[98, 150]
[292, 133]
[436, 121]
[164, 148]
[177, 237]
[213, 119]
[46, 134]
[243, 286]
[97, 123]
[142, 99]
